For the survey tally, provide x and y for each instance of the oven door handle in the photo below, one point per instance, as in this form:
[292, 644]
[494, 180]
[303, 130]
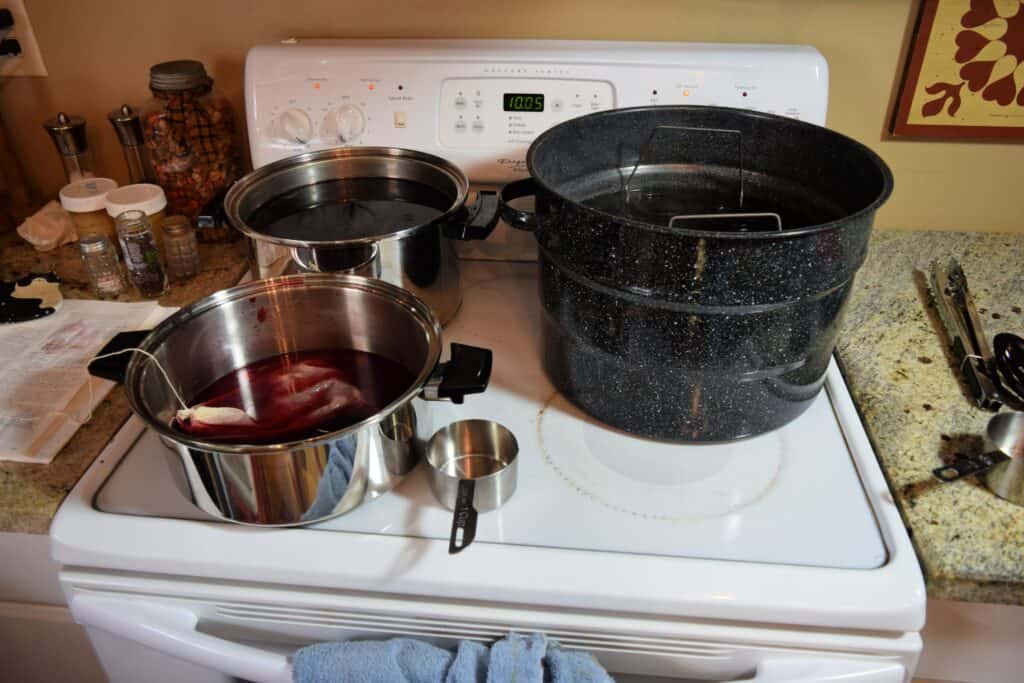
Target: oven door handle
[826, 670]
[172, 631]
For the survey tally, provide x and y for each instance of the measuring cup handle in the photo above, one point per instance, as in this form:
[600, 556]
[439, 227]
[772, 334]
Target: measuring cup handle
[966, 466]
[1010, 362]
[463, 518]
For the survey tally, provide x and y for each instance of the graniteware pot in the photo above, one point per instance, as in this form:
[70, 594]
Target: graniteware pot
[695, 262]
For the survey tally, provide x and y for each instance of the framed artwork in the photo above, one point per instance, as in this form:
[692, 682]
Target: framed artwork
[964, 77]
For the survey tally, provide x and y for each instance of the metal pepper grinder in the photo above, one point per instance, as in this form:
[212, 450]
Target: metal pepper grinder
[68, 135]
[129, 132]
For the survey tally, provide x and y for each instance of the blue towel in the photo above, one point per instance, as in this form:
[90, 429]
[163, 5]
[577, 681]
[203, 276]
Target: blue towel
[519, 659]
[341, 456]
[514, 659]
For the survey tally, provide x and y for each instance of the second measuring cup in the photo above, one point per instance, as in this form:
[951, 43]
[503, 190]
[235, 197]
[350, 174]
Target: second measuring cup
[472, 468]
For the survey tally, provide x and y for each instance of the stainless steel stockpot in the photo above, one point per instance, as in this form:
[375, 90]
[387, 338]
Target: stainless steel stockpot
[418, 258]
[305, 481]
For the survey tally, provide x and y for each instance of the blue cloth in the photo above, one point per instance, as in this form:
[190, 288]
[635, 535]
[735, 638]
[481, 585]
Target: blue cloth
[514, 659]
[341, 456]
[519, 659]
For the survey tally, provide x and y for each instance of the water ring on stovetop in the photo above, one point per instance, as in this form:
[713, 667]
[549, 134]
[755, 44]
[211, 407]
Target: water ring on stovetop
[651, 478]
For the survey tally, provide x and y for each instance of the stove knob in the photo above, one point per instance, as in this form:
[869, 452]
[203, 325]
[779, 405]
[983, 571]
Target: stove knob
[293, 126]
[343, 124]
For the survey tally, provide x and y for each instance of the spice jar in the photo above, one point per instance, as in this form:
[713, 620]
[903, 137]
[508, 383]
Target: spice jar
[101, 264]
[181, 251]
[86, 201]
[149, 199]
[189, 133]
[141, 255]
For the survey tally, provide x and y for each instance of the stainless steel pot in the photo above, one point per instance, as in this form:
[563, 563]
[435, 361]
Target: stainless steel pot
[415, 256]
[305, 481]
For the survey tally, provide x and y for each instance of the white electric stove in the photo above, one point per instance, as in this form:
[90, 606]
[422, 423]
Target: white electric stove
[777, 558]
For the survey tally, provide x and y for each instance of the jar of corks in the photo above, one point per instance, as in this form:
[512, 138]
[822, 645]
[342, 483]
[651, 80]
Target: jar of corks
[189, 133]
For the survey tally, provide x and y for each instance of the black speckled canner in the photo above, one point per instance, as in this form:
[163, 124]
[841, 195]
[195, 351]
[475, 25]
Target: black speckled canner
[685, 334]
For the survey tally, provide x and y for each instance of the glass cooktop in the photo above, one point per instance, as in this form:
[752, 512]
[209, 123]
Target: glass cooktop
[792, 496]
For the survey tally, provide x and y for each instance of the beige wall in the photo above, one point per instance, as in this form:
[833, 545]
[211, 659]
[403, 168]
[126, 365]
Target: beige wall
[98, 53]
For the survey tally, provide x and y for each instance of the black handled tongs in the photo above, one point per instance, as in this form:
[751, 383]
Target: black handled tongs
[966, 336]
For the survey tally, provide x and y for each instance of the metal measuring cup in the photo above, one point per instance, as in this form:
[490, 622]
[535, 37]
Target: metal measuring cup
[1005, 433]
[1002, 461]
[472, 469]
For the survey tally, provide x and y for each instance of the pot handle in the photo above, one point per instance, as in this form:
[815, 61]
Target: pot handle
[517, 218]
[467, 372]
[480, 222]
[114, 367]
[212, 215]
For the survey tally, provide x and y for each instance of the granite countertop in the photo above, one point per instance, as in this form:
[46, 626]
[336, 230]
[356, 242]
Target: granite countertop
[30, 494]
[904, 380]
[917, 414]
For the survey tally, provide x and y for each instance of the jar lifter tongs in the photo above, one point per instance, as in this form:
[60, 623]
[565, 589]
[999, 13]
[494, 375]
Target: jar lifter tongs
[955, 307]
[978, 365]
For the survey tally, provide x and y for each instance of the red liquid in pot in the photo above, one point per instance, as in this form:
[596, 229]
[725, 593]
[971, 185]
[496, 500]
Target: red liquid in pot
[296, 396]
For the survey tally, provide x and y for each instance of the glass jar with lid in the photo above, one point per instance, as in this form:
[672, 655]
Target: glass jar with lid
[101, 265]
[145, 197]
[181, 250]
[86, 201]
[189, 133]
[141, 255]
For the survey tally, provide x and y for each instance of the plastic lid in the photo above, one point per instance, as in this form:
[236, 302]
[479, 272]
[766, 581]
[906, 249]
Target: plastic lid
[141, 196]
[83, 196]
[182, 74]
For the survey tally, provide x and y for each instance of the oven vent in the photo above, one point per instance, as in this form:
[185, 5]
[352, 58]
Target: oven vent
[319, 625]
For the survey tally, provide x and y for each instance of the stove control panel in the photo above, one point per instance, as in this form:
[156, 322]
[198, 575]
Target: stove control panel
[481, 103]
[506, 113]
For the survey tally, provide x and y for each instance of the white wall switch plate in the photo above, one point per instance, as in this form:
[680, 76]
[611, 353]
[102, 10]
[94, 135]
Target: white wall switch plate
[30, 61]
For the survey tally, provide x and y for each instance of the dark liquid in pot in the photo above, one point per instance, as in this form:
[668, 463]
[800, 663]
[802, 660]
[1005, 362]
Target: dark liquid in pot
[300, 395]
[350, 208]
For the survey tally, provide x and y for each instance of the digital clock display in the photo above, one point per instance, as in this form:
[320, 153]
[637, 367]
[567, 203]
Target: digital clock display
[523, 102]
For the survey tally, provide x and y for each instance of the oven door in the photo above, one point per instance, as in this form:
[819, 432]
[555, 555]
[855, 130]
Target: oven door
[165, 630]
